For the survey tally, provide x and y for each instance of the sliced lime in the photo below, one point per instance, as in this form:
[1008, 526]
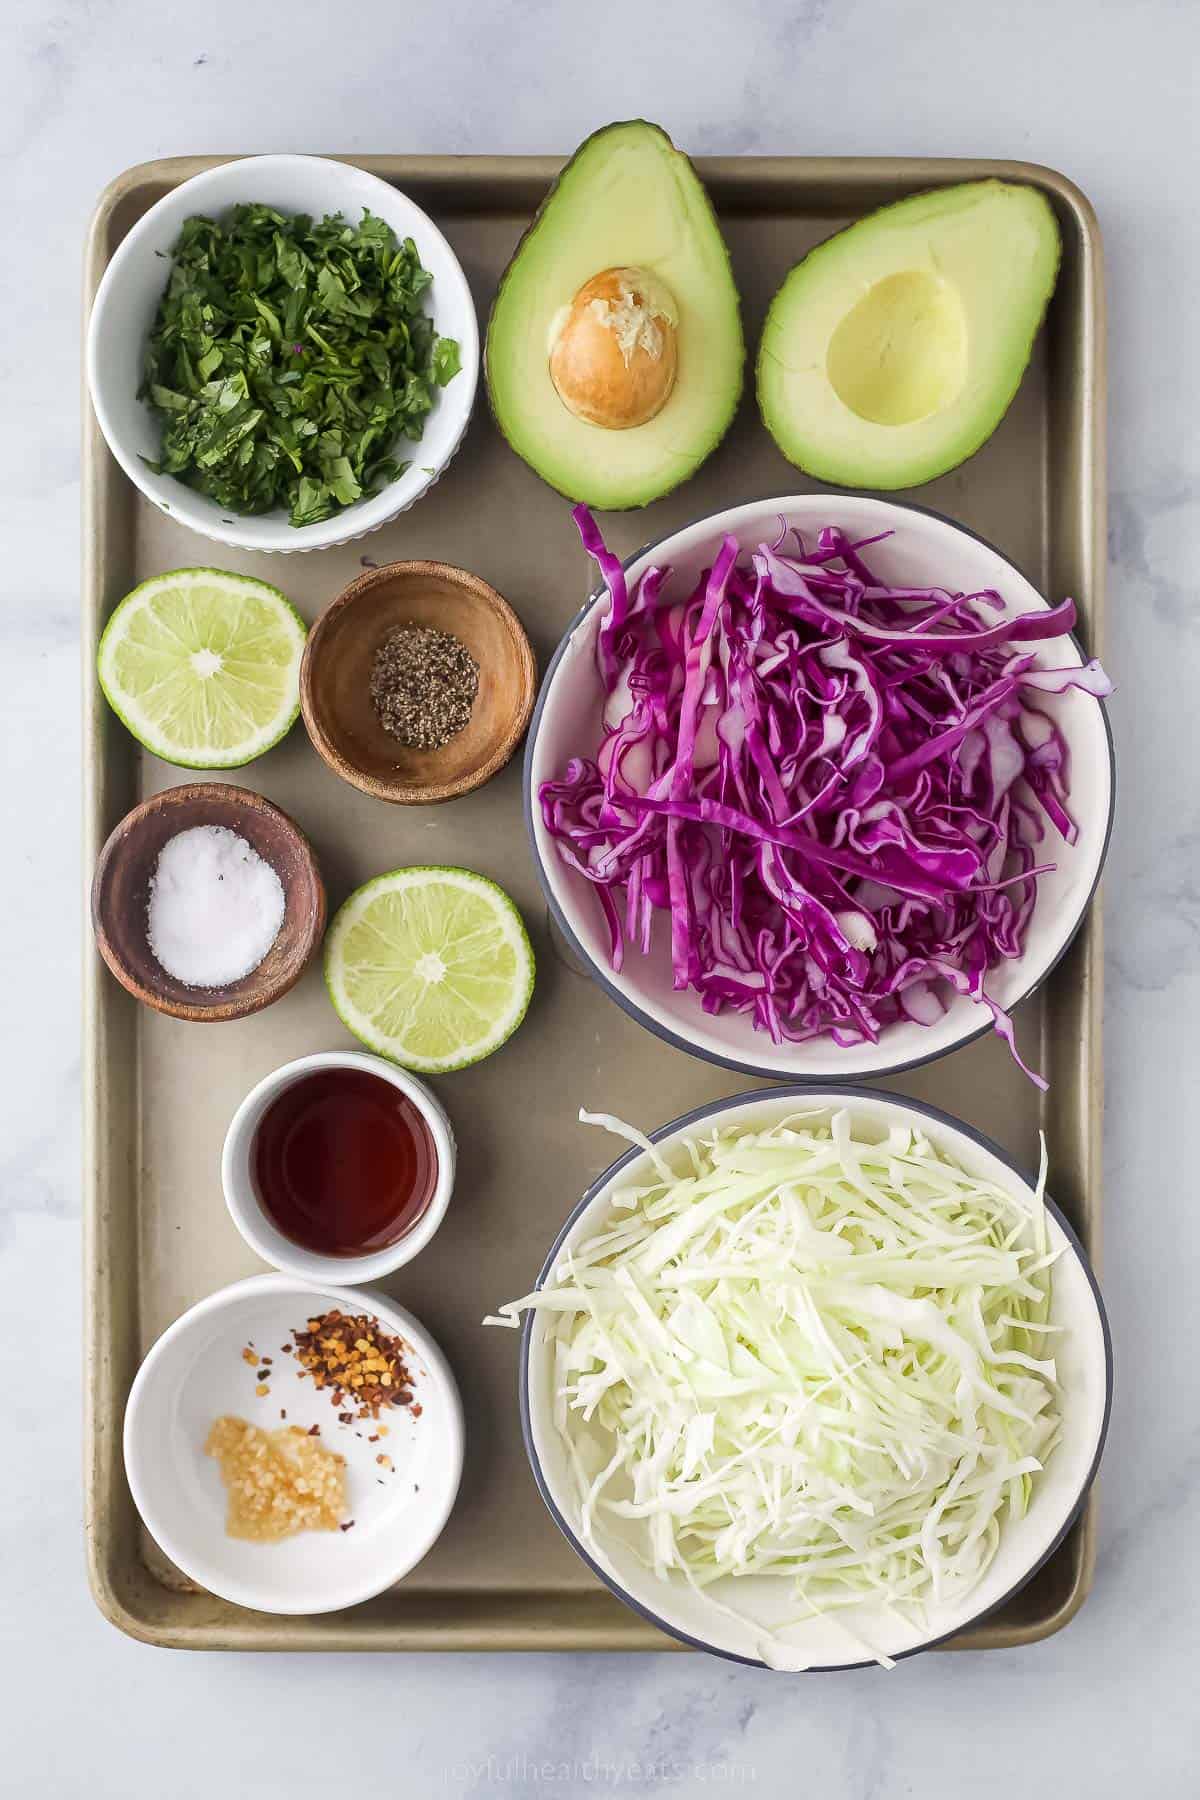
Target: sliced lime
[204, 667]
[432, 967]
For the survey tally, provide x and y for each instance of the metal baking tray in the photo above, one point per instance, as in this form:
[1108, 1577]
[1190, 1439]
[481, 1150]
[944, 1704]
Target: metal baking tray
[158, 1092]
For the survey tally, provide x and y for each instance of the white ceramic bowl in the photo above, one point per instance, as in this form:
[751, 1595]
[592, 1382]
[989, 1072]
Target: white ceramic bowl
[195, 1374]
[128, 298]
[925, 551]
[259, 1231]
[1084, 1358]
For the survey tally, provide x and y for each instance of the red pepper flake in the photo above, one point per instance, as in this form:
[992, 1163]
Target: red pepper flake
[355, 1361]
[348, 1526]
[283, 1412]
[374, 1438]
[314, 1431]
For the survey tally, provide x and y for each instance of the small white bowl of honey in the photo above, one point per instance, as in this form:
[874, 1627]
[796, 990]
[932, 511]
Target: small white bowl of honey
[338, 1167]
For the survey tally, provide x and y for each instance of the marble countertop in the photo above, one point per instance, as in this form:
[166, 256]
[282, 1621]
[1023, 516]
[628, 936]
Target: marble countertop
[1101, 91]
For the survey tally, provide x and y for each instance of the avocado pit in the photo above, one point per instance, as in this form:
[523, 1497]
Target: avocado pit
[613, 351]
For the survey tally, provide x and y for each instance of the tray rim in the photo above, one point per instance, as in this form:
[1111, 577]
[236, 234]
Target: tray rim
[515, 1625]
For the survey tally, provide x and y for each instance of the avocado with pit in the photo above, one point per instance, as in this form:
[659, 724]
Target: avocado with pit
[614, 348]
[893, 351]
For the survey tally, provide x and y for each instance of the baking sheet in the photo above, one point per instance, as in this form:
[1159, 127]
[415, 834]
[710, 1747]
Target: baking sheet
[159, 1092]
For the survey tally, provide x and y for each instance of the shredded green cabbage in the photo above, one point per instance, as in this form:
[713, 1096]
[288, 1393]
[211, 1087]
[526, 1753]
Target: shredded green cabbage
[799, 1354]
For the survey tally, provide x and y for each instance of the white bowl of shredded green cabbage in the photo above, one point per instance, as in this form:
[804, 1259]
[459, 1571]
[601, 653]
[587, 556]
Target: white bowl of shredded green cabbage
[814, 1379]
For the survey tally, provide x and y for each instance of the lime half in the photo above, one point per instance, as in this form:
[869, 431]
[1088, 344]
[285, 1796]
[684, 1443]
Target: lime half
[432, 967]
[204, 667]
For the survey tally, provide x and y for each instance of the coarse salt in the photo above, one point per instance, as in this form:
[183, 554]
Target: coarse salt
[215, 907]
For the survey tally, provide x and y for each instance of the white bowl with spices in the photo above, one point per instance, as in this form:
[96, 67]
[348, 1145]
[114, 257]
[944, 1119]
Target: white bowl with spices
[395, 1486]
[338, 1167]
[128, 299]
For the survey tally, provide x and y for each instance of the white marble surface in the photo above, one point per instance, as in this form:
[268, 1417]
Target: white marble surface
[1102, 91]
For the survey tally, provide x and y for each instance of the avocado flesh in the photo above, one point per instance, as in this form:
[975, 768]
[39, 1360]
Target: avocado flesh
[627, 198]
[893, 351]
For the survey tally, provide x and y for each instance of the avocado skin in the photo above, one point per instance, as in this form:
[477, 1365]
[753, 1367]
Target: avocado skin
[593, 138]
[836, 474]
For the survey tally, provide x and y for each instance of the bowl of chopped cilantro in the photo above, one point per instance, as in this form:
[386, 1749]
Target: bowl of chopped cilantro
[283, 353]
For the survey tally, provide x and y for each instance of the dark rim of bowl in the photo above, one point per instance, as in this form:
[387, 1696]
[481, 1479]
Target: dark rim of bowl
[627, 1004]
[804, 1092]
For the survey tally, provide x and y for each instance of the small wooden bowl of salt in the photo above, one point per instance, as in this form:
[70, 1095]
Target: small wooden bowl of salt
[207, 902]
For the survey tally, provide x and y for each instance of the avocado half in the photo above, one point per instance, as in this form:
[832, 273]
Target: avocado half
[627, 198]
[893, 351]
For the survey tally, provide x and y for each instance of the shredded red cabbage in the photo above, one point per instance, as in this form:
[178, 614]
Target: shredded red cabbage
[834, 788]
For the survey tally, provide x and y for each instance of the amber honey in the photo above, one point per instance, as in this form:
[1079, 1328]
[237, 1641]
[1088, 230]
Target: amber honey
[343, 1163]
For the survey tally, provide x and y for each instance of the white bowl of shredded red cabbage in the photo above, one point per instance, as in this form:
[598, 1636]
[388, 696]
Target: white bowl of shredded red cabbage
[820, 786]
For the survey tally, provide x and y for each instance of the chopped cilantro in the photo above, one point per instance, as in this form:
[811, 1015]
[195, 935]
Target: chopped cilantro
[289, 357]
[446, 360]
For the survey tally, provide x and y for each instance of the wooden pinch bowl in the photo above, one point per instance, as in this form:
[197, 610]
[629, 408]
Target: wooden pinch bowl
[335, 679]
[121, 891]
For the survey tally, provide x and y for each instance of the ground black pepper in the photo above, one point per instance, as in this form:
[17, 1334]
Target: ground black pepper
[423, 685]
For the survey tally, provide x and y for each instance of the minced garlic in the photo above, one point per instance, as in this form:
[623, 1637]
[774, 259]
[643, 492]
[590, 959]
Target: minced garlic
[279, 1482]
